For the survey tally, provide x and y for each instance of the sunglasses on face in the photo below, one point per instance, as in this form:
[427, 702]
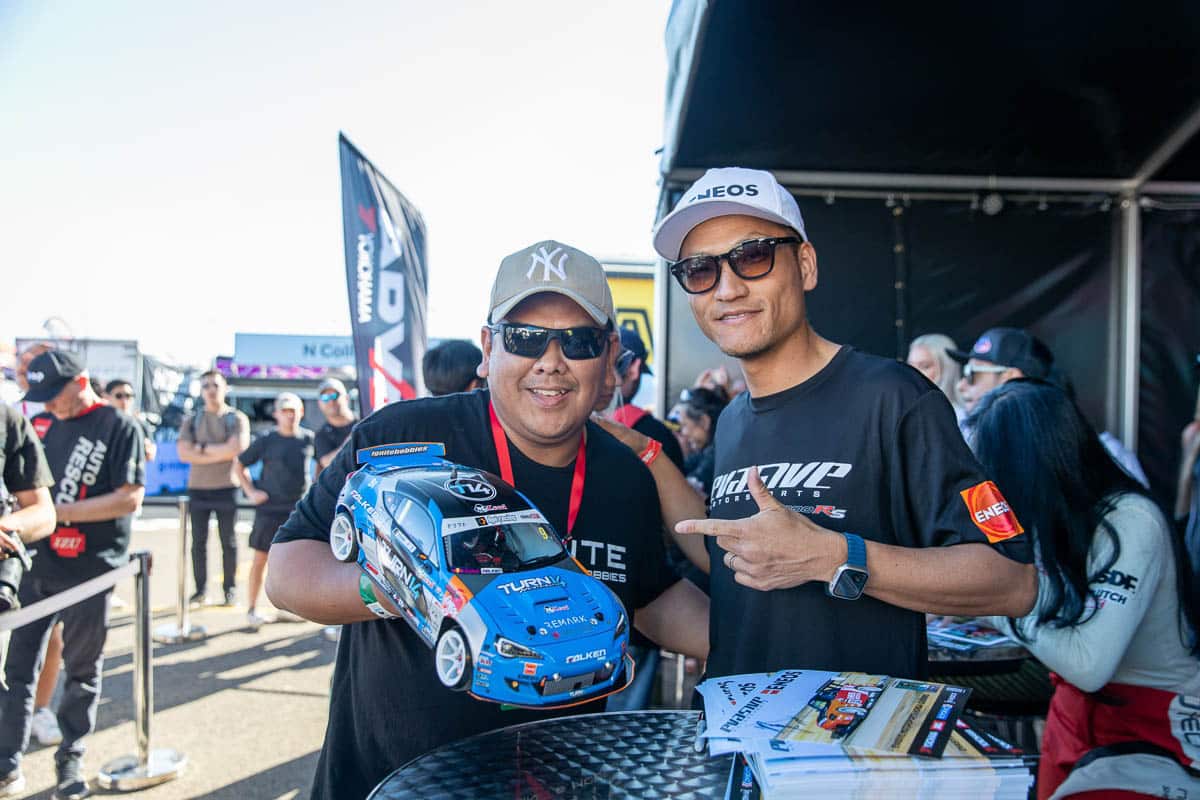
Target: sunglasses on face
[210, 386]
[749, 261]
[329, 397]
[971, 370]
[531, 341]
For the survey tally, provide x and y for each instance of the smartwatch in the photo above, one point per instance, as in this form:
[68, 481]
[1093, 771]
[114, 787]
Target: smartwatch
[850, 578]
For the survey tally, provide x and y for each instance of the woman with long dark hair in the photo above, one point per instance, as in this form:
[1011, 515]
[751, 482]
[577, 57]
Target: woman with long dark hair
[696, 414]
[1115, 616]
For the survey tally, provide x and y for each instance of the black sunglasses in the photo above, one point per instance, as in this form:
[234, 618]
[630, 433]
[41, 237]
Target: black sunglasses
[531, 341]
[749, 261]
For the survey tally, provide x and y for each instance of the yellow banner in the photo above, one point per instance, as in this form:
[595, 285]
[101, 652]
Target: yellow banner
[634, 301]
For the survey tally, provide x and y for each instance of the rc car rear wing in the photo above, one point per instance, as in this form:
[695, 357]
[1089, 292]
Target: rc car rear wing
[404, 454]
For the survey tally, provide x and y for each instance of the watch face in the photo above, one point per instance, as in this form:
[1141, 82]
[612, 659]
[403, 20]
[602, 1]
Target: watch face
[849, 584]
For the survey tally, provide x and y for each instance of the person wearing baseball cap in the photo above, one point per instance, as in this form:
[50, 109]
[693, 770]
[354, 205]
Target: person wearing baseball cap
[547, 341]
[97, 462]
[844, 502]
[286, 453]
[999, 356]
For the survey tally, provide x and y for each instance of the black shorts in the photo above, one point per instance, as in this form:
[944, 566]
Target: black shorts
[266, 522]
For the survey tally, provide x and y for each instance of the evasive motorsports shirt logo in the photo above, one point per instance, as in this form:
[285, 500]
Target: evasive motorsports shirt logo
[990, 512]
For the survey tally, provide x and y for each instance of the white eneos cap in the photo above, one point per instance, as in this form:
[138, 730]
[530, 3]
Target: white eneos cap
[721, 192]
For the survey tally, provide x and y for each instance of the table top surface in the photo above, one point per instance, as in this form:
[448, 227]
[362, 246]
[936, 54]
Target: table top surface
[638, 754]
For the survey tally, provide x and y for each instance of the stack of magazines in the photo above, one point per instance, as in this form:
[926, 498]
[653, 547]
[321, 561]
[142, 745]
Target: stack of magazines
[806, 733]
[963, 634]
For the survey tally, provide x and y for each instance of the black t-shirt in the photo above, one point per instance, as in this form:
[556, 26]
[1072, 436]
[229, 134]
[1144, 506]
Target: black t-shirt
[866, 446]
[22, 463]
[90, 455]
[330, 437]
[387, 704]
[286, 461]
[649, 426]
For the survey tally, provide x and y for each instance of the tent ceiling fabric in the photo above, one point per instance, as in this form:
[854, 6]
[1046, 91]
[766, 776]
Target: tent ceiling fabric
[1046, 89]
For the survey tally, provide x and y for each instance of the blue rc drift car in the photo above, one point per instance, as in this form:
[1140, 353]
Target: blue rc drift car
[483, 578]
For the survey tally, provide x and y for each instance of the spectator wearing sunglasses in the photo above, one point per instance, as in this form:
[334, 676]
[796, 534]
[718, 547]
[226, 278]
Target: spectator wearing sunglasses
[547, 342]
[119, 394]
[334, 402]
[210, 440]
[997, 357]
[1004, 354]
[845, 502]
[450, 367]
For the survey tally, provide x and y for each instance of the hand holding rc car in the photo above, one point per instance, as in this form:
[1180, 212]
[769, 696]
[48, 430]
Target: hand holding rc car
[481, 576]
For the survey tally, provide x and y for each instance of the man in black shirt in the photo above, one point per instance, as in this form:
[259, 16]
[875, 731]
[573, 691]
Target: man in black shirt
[828, 448]
[97, 460]
[286, 454]
[119, 394]
[548, 341]
[334, 402]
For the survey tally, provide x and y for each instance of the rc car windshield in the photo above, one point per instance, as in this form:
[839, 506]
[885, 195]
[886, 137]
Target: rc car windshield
[503, 548]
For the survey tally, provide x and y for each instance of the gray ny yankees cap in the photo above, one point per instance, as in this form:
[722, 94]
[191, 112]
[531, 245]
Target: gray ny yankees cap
[551, 266]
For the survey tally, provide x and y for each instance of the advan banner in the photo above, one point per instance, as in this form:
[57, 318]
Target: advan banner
[387, 280]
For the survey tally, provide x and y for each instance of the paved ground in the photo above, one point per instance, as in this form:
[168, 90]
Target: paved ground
[248, 709]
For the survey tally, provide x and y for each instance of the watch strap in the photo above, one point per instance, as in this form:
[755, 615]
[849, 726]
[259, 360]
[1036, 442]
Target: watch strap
[856, 550]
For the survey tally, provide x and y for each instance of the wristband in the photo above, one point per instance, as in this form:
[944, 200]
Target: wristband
[366, 590]
[653, 448]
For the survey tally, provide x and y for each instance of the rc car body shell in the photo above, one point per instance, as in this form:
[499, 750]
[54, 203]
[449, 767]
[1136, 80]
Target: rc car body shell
[457, 549]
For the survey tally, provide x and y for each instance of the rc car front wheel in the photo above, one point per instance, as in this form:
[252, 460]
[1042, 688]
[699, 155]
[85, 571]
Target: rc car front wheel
[453, 658]
[343, 537]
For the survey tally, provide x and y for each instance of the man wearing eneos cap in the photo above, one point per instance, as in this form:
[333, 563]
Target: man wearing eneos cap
[97, 460]
[286, 454]
[845, 502]
[548, 339]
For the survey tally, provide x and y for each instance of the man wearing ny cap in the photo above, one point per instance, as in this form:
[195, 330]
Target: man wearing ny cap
[97, 460]
[548, 340]
[844, 503]
[286, 455]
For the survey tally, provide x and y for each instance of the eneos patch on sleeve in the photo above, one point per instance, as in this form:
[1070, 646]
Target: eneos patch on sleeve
[990, 512]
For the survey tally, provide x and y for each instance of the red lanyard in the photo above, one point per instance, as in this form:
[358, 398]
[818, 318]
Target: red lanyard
[501, 441]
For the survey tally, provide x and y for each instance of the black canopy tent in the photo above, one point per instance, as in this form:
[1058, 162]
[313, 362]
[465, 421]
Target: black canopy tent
[962, 166]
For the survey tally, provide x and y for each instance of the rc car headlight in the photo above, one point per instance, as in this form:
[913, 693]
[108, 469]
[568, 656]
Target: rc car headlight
[620, 626]
[510, 649]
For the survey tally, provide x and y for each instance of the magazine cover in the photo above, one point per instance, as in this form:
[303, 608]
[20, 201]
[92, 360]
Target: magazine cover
[966, 630]
[810, 713]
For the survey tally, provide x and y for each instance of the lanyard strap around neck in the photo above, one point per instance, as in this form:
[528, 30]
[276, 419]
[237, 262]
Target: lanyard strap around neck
[506, 472]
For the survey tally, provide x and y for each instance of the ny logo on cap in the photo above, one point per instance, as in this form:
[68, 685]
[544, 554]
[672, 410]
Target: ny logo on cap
[548, 265]
[35, 377]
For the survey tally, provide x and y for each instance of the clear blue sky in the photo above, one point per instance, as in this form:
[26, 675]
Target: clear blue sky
[170, 171]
